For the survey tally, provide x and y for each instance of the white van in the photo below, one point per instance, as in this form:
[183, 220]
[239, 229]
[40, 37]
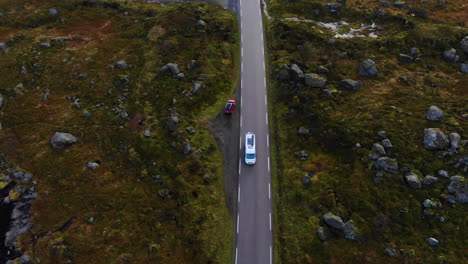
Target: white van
[250, 156]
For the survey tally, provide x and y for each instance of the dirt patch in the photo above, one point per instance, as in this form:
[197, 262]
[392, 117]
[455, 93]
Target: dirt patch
[226, 131]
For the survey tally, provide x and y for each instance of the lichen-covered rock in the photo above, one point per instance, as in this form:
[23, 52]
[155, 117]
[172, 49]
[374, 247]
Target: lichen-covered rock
[368, 68]
[333, 221]
[387, 164]
[314, 80]
[413, 181]
[451, 56]
[350, 85]
[62, 140]
[464, 44]
[434, 113]
[350, 231]
[435, 139]
[323, 233]
[172, 67]
[428, 180]
[378, 150]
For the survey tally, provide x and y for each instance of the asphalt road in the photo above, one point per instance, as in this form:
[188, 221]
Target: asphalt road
[254, 243]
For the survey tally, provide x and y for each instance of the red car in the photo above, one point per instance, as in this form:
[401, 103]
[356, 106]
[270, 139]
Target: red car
[230, 106]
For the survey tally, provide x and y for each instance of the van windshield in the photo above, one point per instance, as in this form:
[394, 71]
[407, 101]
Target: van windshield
[251, 156]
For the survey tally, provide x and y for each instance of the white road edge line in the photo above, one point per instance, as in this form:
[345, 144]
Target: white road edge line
[242, 51]
[268, 163]
[268, 140]
[270, 221]
[238, 195]
[241, 121]
[265, 100]
[242, 68]
[266, 115]
[239, 166]
[238, 223]
[236, 256]
[241, 100]
[264, 81]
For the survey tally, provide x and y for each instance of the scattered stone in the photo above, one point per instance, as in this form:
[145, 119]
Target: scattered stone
[302, 155]
[454, 140]
[382, 134]
[350, 85]
[306, 180]
[464, 44]
[464, 68]
[451, 56]
[190, 130]
[334, 8]
[187, 149]
[191, 65]
[413, 181]
[387, 164]
[386, 143]
[121, 64]
[45, 45]
[82, 76]
[92, 165]
[368, 68]
[180, 76]
[428, 180]
[391, 251]
[283, 73]
[405, 58]
[1, 100]
[173, 123]
[296, 73]
[3, 47]
[53, 12]
[322, 70]
[164, 193]
[201, 24]
[323, 233]
[172, 67]
[24, 70]
[399, 4]
[419, 12]
[147, 133]
[432, 241]
[302, 131]
[314, 80]
[90, 220]
[196, 88]
[378, 150]
[435, 139]
[333, 221]
[60, 39]
[331, 42]
[431, 203]
[434, 113]
[442, 173]
[350, 231]
[62, 140]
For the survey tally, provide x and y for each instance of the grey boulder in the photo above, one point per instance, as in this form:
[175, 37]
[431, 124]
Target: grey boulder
[378, 149]
[451, 56]
[368, 68]
[405, 58]
[92, 165]
[435, 139]
[172, 67]
[432, 241]
[350, 231]
[333, 221]
[350, 85]
[296, 72]
[387, 164]
[314, 80]
[464, 44]
[121, 64]
[454, 140]
[62, 140]
[386, 143]
[464, 67]
[413, 181]
[428, 180]
[434, 113]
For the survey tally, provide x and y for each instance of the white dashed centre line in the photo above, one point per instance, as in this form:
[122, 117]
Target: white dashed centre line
[268, 140]
[271, 255]
[269, 191]
[266, 118]
[241, 121]
[270, 221]
[268, 163]
[236, 257]
[238, 195]
[238, 224]
[239, 166]
[265, 100]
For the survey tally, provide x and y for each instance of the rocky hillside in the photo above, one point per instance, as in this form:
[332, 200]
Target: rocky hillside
[371, 126]
[105, 153]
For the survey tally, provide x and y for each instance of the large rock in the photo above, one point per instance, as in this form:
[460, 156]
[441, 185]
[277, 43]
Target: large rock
[387, 164]
[435, 139]
[428, 180]
[172, 67]
[350, 85]
[296, 72]
[323, 233]
[458, 188]
[451, 56]
[314, 80]
[455, 140]
[378, 149]
[434, 113]
[432, 241]
[62, 140]
[464, 44]
[413, 181]
[350, 231]
[333, 221]
[368, 68]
